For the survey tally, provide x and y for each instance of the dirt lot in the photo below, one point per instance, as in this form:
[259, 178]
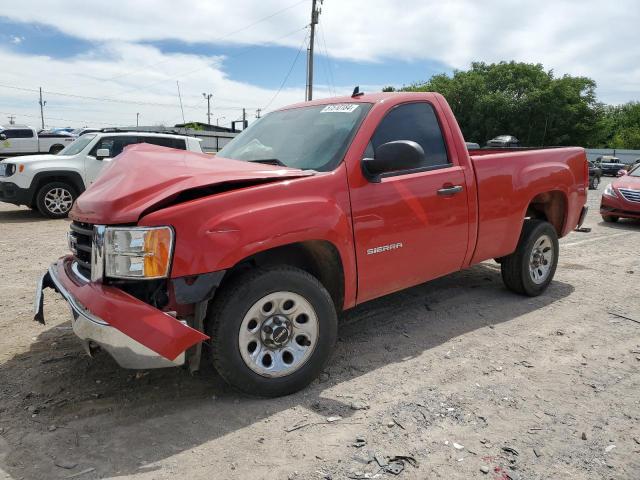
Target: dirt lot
[459, 374]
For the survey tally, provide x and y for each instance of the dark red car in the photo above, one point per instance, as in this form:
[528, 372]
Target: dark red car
[621, 198]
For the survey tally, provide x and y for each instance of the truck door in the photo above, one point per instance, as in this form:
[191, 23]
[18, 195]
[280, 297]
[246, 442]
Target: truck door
[115, 144]
[412, 226]
[20, 140]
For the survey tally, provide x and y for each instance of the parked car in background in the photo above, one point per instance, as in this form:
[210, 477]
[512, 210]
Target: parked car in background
[595, 174]
[621, 198]
[472, 146]
[504, 141]
[81, 131]
[314, 209]
[64, 130]
[609, 165]
[51, 183]
[24, 140]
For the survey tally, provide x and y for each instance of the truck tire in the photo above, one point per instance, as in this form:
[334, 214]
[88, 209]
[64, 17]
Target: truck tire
[610, 218]
[530, 269]
[55, 199]
[272, 330]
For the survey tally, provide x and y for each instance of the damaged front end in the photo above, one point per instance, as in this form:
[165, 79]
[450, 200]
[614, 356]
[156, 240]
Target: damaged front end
[142, 323]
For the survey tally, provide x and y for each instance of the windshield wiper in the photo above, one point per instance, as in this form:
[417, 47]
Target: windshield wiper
[270, 161]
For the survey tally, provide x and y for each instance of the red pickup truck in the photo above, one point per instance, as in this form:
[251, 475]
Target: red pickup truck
[312, 210]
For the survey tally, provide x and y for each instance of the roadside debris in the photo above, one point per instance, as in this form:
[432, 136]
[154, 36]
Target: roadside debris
[359, 405]
[624, 316]
[484, 469]
[360, 442]
[609, 448]
[511, 450]
[83, 472]
[68, 465]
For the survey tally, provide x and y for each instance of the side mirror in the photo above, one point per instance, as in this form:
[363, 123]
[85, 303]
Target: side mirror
[103, 153]
[393, 157]
[622, 172]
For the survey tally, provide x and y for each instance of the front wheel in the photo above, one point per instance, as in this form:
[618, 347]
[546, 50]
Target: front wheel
[610, 218]
[530, 269]
[272, 330]
[55, 199]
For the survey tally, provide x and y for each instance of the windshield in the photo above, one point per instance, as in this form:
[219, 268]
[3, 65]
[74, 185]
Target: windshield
[77, 146]
[308, 138]
[635, 172]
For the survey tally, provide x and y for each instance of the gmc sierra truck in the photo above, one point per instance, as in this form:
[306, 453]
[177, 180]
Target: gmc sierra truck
[312, 210]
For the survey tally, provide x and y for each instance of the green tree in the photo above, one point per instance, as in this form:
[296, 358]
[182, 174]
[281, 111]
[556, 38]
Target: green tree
[620, 126]
[520, 99]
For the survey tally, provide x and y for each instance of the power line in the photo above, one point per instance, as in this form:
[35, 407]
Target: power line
[327, 62]
[101, 122]
[217, 39]
[110, 100]
[304, 41]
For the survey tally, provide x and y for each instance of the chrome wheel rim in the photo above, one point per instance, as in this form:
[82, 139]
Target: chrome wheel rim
[58, 200]
[278, 334]
[541, 259]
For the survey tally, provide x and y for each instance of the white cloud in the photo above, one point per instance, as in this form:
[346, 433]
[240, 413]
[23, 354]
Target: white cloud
[157, 102]
[15, 39]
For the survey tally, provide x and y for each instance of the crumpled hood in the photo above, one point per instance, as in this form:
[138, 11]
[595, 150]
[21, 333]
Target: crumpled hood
[145, 176]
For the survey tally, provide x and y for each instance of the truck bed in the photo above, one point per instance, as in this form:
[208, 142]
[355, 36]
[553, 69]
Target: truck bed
[508, 181]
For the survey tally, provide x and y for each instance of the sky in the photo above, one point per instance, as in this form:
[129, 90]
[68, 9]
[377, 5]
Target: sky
[102, 63]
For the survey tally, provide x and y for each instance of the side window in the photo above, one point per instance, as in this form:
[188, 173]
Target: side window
[165, 142]
[416, 122]
[160, 141]
[114, 144]
[18, 133]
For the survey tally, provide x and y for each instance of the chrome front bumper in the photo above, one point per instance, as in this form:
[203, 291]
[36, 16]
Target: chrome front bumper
[127, 352]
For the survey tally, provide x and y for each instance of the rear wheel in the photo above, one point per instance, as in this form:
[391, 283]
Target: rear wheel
[610, 218]
[55, 149]
[530, 269]
[272, 330]
[55, 199]
[593, 184]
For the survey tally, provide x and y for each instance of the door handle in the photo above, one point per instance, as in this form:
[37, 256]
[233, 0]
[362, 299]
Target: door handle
[448, 191]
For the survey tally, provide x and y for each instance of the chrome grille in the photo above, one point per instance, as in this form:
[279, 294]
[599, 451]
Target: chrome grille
[630, 194]
[80, 241]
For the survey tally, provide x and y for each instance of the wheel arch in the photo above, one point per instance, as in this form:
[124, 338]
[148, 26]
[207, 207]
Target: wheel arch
[42, 178]
[551, 206]
[319, 258]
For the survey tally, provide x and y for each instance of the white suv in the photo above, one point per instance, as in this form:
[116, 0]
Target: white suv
[51, 183]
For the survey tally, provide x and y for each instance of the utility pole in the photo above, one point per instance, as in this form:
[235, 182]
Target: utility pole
[244, 119]
[315, 13]
[218, 121]
[12, 119]
[258, 112]
[42, 104]
[208, 97]
[137, 118]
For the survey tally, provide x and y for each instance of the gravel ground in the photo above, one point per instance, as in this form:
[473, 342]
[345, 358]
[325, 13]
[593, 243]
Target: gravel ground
[459, 374]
